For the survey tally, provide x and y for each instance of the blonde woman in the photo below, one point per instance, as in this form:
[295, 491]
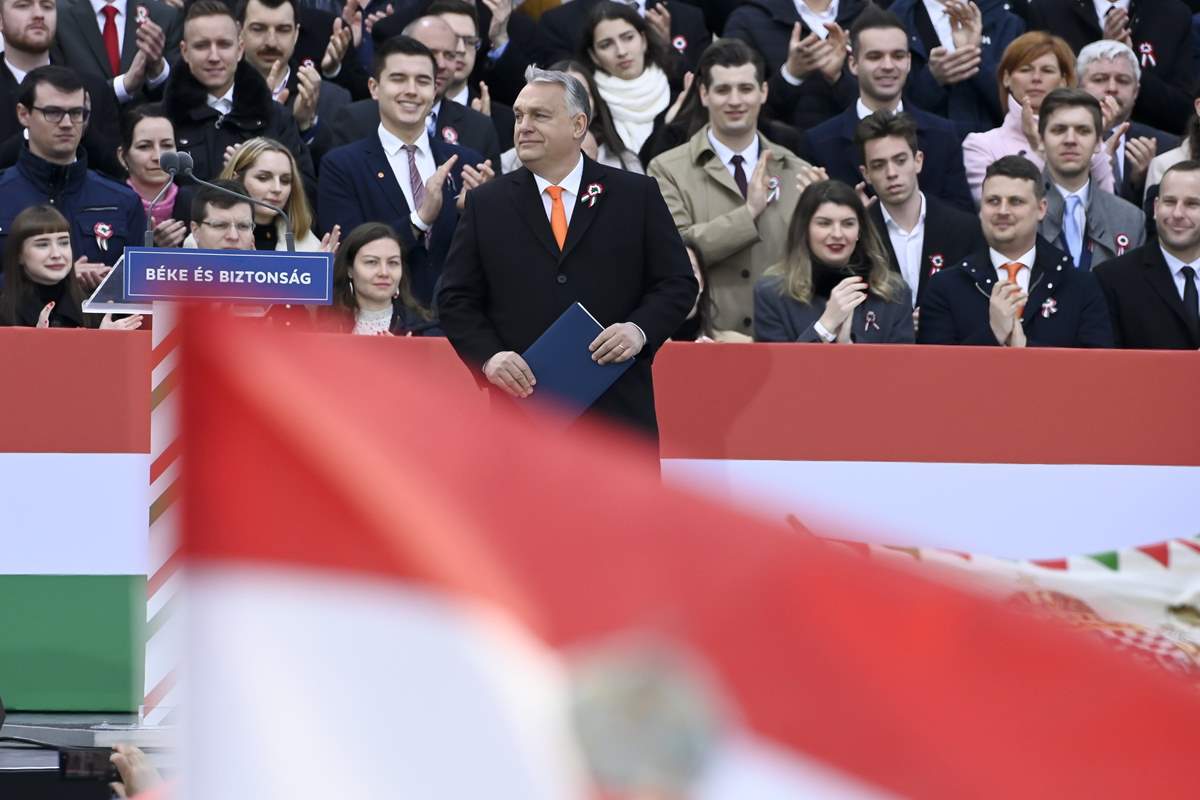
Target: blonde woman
[835, 285]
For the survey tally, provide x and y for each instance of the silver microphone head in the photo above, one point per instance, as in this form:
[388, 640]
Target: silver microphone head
[185, 163]
[169, 162]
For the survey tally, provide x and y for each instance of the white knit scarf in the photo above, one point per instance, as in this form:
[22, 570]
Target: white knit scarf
[635, 103]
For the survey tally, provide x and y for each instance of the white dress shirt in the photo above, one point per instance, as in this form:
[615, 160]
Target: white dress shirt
[18, 73]
[863, 112]
[223, 105]
[462, 98]
[397, 156]
[431, 120]
[941, 23]
[815, 22]
[749, 155]
[908, 246]
[570, 187]
[119, 21]
[1176, 266]
[999, 260]
[1102, 7]
[1080, 212]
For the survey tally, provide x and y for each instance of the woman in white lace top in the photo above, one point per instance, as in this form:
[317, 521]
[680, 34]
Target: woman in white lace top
[371, 293]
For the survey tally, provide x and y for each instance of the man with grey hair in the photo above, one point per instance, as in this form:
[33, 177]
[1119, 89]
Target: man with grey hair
[1109, 69]
[563, 229]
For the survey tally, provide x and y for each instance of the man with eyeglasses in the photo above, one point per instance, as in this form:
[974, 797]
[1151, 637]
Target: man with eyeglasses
[221, 222]
[52, 168]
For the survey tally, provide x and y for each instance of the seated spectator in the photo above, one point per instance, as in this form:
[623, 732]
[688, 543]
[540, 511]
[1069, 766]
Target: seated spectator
[731, 191]
[463, 19]
[955, 47]
[1090, 226]
[921, 233]
[631, 69]
[1188, 149]
[879, 59]
[27, 32]
[602, 144]
[371, 292]
[1034, 65]
[52, 168]
[1160, 31]
[400, 174]
[680, 25]
[447, 121]
[1151, 291]
[804, 44]
[216, 101]
[220, 221]
[270, 29]
[139, 63]
[1021, 291]
[1110, 69]
[146, 134]
[40, 287]
[834, 285]
[699, 327]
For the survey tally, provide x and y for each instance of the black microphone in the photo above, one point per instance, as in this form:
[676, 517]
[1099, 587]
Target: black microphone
[169, 162]
[186, 166]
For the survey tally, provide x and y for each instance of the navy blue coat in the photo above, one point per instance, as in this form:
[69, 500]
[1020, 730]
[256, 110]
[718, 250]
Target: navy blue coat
[1066, 307]
[831, 145]
[974, 104]
[91, 203]
[357, 185]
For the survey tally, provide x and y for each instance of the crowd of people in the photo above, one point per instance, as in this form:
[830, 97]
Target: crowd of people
[916, 171]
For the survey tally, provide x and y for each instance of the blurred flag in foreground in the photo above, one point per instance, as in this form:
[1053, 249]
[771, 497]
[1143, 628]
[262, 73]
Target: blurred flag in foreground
[391, 595]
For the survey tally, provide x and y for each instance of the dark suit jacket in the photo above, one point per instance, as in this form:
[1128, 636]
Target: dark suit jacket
[950, 236]
[1145, 307]
[357, 185]
[562, 28]
[315, 29]
[1135, 191]
[779, 318]
[1065, 308]
[332, 99]
[467, 127]
[506, 281]
[831, 145]
[502, 117]
[79, 43]
[1163, 26]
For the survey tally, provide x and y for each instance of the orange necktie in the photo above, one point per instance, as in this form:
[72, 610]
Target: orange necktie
[1012, 268]
[558, 215]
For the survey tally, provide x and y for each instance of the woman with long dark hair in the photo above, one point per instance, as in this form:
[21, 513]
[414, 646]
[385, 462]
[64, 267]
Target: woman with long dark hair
[147, 133]
[835, 284]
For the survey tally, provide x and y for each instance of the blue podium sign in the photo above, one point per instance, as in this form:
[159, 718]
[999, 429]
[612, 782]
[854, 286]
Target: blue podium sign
[227, 276]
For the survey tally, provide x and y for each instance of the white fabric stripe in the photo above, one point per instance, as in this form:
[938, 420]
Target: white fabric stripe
[750, 768]
[1005, 510]
[169, 476]
[160, 598]
[316, 685]
[163, 427]
[165, 368]
[163, 539]
[73, 513]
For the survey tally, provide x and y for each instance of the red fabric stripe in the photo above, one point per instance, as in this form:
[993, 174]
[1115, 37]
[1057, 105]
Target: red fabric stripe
[165, 459]
[911, 685]
[160, 691]
[1159, 552]
[164, 348]
[163, 574]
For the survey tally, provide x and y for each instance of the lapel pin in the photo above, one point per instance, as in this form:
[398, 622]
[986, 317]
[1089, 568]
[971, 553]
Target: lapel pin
[449, 135]
[936, 262]
[679, 43]
[1049, 307]
[870, 322]
[1147, 51]
[772, 189]
[378, 174]
[103, 233]
[141, 15]
[1122, 243]
[593, 192]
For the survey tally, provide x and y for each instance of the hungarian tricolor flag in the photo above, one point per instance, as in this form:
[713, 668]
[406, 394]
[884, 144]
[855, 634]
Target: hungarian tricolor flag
[393, 595]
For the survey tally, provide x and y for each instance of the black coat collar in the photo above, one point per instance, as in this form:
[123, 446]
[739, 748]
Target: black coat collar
[1051, 271]
[186, 97]
[52, 179]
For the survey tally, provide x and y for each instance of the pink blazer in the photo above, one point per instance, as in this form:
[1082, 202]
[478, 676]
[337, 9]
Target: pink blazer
[981, 149]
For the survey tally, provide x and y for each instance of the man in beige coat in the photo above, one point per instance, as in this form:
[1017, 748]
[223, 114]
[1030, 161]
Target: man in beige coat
[732, 192]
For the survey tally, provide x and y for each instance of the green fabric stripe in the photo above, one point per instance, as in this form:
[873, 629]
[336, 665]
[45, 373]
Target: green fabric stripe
[69, 642]
[1111, 560]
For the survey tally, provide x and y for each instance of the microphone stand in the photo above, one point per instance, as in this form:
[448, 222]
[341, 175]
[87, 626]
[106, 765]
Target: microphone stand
[185, 167]
[170, 164]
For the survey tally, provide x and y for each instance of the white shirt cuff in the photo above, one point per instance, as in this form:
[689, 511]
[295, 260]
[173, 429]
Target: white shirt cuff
[789, 77]
[125, 97]
[642, 332]
[418, 223]
[823, 333]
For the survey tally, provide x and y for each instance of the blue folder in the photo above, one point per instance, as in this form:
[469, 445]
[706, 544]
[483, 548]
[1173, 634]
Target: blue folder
[563, 366]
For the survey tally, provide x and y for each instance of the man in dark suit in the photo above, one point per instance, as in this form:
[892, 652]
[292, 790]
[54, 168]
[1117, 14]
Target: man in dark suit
[450, 122]
[1159, 31]
[1021, 291]
[1151, 291]
[461, 17]
[922, 233]
[400, 174]
[1110, 69]
[28, 31]
[329, 42]
[130, 44]
[879, 58]
[563, 229]
[682, 28]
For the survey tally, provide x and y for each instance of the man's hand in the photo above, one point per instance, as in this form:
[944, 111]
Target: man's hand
[170, 233]
[509, 371]
[804, 55]
[1110, 112]
[617, 343]
[966, 23]
[1116, 27]
[89, 273]
[848, 295]
[498, 28]
[231, 151]
[659, 21]
[1004, 310]
[861, 189]
[308, 92]
[474, 177]
[431, 206]
[43, 320]
[758, 188]
[274, 76]
[151, 40]
[335, 51]
[135, 77]
[137, 773]
[675, 108]
[810, 175]
[483, 103]
[1114, 141]
[833, 59]
[378, 15]
[1139, 153]
[352, 17]
[950, 68]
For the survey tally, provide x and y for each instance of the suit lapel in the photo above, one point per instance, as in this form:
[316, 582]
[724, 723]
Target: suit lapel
[1159, 276]
[584, 215]
[529, 206]
[450, 116]
[130, 41]
[1086, 11]
[89, 28]
[377, 162]
[1045, 279]
[876, 216]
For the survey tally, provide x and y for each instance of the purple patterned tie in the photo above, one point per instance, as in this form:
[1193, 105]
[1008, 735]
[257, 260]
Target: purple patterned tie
[414, 177]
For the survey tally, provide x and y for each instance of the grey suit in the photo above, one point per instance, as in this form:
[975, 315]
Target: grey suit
[80, 44]
[779, 318]
[1108, 217]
